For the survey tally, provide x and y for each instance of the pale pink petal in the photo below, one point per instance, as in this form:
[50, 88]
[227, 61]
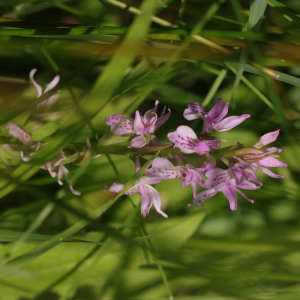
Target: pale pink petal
[145, 200]
[202, 148]
[116, 188]
[204, 195]
[267, 139]
[138, 142]
[138, 126]
[164, 169]
[237, 190]
[229, 192]
[216, 177]
[26, 159]
[121, 124]
[163, 119]
[184, 138]
[18, 133]
[155, 199]
[149, 113]
[230, 122]
[150, 124]
[52, 84]
[49, 101]
[223, 113]
[247, 185]
[270, 162]
[215, 114]
[214, 144]
[194, 111]
[66, 172]
[60, 174]
[37, 87]
[270, 173]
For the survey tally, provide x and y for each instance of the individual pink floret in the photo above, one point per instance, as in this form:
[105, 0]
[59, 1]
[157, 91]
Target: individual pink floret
[212, 119]
[123, 125]
[187, 141]
[149, 195]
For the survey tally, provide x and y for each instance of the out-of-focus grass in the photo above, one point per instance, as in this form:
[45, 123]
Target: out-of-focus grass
[112, 60]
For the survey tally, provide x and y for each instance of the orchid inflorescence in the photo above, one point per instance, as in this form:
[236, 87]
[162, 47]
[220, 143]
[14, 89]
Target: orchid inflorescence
[196, 159]
[226, 177]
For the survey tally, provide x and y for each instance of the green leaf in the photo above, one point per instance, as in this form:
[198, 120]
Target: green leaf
[18, 262]
[257, 10]
[171, 234]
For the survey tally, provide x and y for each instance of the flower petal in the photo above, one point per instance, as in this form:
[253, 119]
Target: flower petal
[204, 195]
[217, 113]
[230, 122]
[267, 139]
[162, 168]
[202, 148]
[194, 111]
[216, 177]
[155, 199]
[116, 187]
[52, 84]
[18, 133]
[237, 190]
[36, 86]
[184, 138]
[270, 173]
[163, 119]
[230, 194]
[138, 142]
[121, 125]
[138, 126]
[270, 162]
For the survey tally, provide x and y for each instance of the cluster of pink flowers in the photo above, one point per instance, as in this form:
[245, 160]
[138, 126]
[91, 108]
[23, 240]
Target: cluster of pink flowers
[28, 147]
[199, 162]
[213, 175]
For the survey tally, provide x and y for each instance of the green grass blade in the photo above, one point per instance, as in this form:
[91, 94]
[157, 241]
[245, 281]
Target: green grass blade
[257, 10]
[37, 222]
[18, 262]
[214, 87]
[104, 86]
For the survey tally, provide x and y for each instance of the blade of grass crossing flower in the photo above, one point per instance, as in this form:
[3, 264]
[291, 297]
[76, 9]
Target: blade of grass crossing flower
[214, 87]
[105, 85]
[19, 261]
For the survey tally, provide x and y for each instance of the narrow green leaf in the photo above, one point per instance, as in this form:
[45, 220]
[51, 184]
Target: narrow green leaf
[214, 87]
[257, 10]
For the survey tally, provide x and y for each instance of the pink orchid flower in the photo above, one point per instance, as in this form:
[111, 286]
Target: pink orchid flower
[212, 119]
[123, 125]
[149, 195]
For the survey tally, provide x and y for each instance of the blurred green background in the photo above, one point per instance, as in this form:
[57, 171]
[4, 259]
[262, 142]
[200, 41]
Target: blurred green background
[116, 57]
